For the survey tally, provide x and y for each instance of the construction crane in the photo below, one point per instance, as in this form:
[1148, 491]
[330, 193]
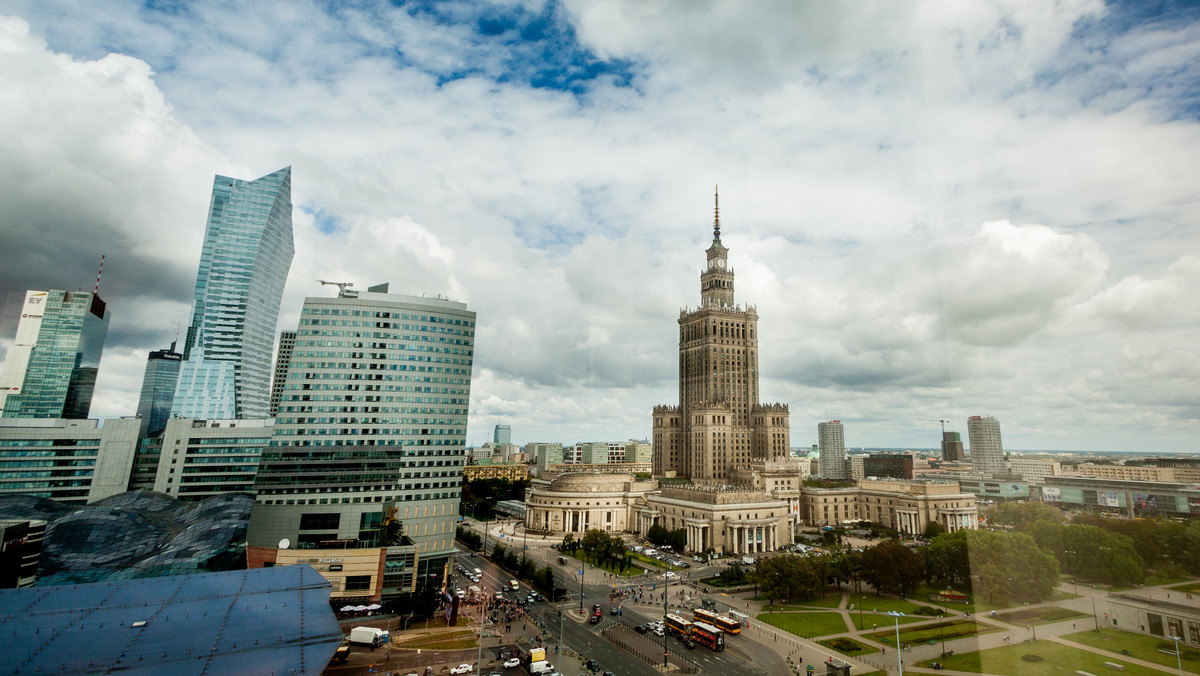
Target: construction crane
[943, 421]
[343, 287]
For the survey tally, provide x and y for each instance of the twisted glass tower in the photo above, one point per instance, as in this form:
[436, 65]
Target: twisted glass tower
[248, 248]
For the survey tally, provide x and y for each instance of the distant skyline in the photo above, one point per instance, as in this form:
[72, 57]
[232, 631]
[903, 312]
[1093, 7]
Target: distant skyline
[939, 209]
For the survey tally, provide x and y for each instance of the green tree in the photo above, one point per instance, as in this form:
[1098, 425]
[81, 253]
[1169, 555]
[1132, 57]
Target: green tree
[946, 558]
[934, 529]
[890, 567]
[1008, 566]
[1018, 515]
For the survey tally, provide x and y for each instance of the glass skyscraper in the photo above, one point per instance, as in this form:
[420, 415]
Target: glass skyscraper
[50, 371]
[371, 431]
[248, 248]
[158, 390]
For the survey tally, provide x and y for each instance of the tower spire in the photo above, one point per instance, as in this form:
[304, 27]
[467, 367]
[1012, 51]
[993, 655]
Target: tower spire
[716, 213]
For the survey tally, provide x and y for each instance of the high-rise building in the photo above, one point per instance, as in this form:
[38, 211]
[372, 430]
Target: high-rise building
[370, 438]
[197, 459]
[546, 454]
[69, 461]
[952, 447]
[283, 359]
[50, 370]
[248, 248]
[987, 451]
[158, 390]
[638, 451]
[831, 442]
[719, 424]
[502, 435]
[888, 465]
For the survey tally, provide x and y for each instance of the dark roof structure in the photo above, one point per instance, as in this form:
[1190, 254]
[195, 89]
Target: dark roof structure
[136, 534]
[260, 621]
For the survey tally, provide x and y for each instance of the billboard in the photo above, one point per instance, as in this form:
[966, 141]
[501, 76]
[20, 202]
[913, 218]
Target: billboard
[1107, 499]
[1145, 502]
[1051, 494]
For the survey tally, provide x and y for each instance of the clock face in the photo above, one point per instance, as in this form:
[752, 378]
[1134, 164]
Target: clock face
[710, 264]
[720, 263]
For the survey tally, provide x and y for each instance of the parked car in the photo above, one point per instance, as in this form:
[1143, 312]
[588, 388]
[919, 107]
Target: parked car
[512, 662]
[592, 666]
[462, 669]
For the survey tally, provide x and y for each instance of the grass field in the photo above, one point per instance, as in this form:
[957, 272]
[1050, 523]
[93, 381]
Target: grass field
[882, 604]
[876, 620]
[1143, 647]
[632, 571]
[936, 632]
[1040, 615]
[446, 640]
[830, 601]
[848, 646]
[1056, 659]
[1192, 587]
[806, 625]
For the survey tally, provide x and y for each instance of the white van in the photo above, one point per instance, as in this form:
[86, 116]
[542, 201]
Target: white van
[542, 667]
[368, 636]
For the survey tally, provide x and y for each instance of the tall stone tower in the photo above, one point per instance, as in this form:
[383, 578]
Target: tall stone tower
[719, 424]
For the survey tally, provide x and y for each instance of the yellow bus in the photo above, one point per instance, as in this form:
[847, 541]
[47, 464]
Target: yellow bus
[726, 624]
[678, 625]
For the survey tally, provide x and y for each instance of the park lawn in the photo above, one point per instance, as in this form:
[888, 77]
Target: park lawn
[1039, 615]
[1057, 659]
[632, 571]
[832, 601]
[848, 646]
[806, 625]
[642, 558]
[877, 620]
[935, 632]
[974, 607]
[1143, 647]
[1190, 588]
[883, 604]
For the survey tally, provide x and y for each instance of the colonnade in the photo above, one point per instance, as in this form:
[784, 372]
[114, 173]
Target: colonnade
[751, 539]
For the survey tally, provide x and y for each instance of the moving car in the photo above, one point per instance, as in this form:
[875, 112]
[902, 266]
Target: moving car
[511, 662]
[462, 669]
[592, 666]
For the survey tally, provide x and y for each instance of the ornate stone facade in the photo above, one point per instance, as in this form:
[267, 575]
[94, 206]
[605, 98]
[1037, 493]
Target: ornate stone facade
[719, 423]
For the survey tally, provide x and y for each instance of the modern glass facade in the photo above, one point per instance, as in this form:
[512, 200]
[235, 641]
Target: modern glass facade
[371, 427]
[248, 249]
[51, 369]
[158, 390]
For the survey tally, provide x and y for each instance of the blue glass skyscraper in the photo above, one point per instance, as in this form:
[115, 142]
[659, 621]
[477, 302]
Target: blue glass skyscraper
[248, 248]
[158, 390]
[50, 371]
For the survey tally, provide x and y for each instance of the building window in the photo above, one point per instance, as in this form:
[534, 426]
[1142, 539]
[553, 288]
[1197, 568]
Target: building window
[319, 521]
[358, 582]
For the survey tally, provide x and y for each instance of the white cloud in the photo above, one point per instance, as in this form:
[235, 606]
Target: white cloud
[932, 216]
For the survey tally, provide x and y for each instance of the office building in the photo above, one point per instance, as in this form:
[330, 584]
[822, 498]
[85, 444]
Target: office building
[888, 466]
[248, 248]
[508, 472]
[1125, 497]
[50, 370]
[502, 435]
[370, 440]
[593, 452]
[952, 447]
[638, 451]
[831, 442]
[283, 358]
[70, 461]
[719, 423]
[158, 390]
[1034, 470]
[987, 450]
[196, 459]
[546, 454]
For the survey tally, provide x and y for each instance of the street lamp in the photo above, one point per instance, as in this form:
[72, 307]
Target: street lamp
[1094, 615]
[1178, 659]
[899, 662]
[666, 597]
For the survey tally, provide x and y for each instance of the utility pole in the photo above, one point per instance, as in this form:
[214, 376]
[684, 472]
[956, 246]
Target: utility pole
[560, 633]
[666, 627]
[581, 587]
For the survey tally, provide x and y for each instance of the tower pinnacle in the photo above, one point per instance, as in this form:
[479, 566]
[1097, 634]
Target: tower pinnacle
[716, 213]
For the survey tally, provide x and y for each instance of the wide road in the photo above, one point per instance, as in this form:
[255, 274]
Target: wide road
[742, 656]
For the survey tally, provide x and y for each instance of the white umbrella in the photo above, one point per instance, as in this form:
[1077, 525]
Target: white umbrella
[346, 609]
[360, 607]
[374, 606]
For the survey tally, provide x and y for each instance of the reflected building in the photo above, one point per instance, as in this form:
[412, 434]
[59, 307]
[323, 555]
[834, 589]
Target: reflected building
[248, 249]
[50, 370]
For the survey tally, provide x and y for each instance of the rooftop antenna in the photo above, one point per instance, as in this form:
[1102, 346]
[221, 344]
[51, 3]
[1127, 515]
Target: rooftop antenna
[96, 290]
[716, 213]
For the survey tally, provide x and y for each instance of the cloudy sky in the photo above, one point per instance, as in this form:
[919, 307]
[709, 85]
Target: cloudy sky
[939, 209]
